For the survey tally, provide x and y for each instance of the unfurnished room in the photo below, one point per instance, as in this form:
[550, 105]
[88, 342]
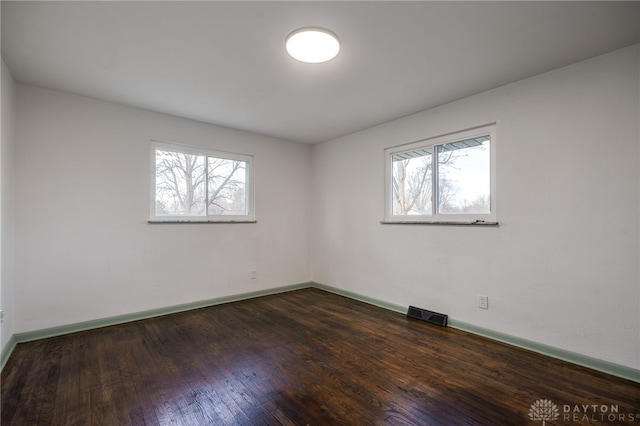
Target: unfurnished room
[320, 213]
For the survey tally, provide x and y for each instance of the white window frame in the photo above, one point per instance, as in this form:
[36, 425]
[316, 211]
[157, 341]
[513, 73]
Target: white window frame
[440, 218]
[188, 149]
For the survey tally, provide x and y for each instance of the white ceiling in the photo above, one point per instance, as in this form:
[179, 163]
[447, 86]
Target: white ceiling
[224, 62]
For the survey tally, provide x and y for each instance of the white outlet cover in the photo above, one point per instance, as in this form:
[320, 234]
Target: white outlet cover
[483, 302]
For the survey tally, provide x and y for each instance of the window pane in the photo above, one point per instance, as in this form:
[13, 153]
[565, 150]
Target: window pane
[464, 177]
[412, 182]
[227, 187]
[180, 184]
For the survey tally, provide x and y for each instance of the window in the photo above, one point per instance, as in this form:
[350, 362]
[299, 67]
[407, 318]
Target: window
[197, 185]
[445, 179]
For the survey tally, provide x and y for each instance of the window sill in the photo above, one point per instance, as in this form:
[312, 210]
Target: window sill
[441, 222]
[195, 222]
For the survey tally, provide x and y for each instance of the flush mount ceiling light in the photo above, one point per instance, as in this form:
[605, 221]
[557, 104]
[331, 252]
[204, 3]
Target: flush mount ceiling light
[312, 45]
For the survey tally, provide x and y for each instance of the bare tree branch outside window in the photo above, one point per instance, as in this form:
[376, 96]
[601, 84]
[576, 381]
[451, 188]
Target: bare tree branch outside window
[413, 180]
[412, 185]
[226, 186]
[197, 185]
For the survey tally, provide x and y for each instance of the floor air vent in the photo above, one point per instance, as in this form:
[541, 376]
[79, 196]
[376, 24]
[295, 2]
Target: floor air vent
[428, 316]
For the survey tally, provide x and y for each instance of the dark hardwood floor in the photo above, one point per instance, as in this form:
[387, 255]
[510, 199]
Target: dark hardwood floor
[306, 357]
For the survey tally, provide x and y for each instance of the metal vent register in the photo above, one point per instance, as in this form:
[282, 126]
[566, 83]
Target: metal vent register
[427, 316]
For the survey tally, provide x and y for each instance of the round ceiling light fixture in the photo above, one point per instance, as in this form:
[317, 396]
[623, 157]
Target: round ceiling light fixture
[312, 45]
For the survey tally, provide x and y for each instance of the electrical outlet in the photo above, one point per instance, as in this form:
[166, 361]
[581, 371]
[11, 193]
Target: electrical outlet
[253, 275]
[1, 316]
[483, 302]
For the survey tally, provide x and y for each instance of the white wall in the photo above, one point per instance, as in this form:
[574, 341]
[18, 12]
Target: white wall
[562, 268]
[84, 249]
[7, 202]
